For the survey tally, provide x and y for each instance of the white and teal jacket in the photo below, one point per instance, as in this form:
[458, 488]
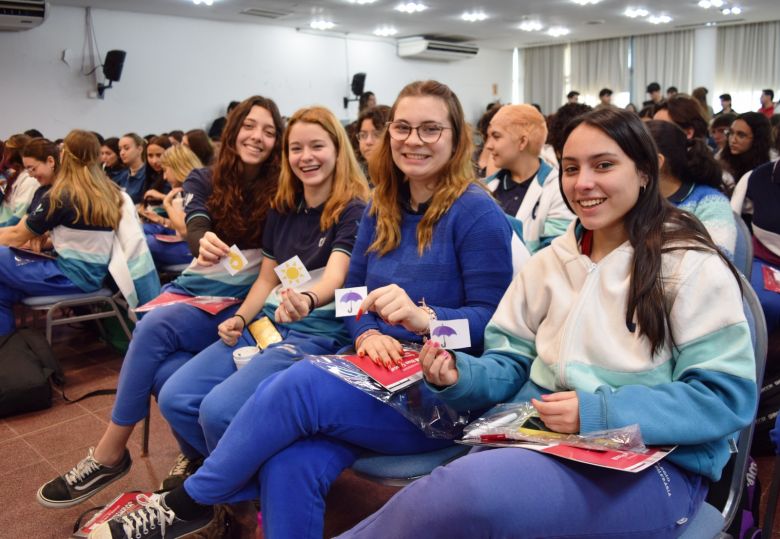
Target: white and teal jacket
[543, 215]
[17, 199]
[562, 326]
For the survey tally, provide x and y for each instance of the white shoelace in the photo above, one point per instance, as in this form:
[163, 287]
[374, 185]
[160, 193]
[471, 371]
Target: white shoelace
[151, 513]
[85, 467]
[180, 468]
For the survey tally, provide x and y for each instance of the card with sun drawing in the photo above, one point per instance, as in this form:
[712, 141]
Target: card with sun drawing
[235, 260]
[292, 273]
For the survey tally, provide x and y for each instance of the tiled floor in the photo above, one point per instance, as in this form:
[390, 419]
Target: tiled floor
[38, 446]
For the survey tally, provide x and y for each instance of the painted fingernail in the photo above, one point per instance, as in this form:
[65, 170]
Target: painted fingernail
[359, 314]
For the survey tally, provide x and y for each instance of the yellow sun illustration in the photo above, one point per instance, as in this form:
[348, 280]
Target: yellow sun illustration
[293, 273]
[235, 261]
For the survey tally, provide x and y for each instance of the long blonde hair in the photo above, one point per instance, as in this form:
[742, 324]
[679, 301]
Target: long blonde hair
[181, 160]
[348, 180]
[83, 184]
[454, 178]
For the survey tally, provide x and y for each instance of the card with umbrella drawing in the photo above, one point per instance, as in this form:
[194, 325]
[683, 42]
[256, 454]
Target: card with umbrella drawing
[348, 300]
[451, 334]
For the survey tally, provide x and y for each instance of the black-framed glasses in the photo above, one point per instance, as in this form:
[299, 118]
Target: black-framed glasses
[428, 132]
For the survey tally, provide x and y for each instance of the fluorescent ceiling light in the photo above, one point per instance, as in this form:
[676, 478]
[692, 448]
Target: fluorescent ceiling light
[385, 31]
[558, 31]
[322, 24]
[411, 7]
[474, 16]
[530, 26]
[206, 2]
[635, 12]
[659, 19]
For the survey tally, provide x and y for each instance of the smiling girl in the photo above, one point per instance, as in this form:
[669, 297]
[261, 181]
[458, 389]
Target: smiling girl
[633, 316]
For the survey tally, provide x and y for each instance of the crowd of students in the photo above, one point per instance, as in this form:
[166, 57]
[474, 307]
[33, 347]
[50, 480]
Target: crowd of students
[591, 260]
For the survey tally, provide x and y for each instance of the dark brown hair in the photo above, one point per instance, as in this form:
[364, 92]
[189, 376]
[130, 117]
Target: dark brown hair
[688, 160]
[237, 207]
[41, 149]
[654, 226]
[686, 112]
[200, 144]
[757, 154]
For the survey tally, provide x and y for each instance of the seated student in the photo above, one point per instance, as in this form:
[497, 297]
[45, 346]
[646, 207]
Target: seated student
[133, 179]
[41, 159]
[761, 186]
[198, 141]
[631, 317]
[371, 124]
[749, 140]
[525, 186]
[87, 219]
[20, 187]
[177, 163]
[227, 205]
[314, 216]
[692, 180]
[109, 157]
[155, 187]
[432, 232]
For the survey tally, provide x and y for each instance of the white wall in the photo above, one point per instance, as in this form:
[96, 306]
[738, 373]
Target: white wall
[181, 73]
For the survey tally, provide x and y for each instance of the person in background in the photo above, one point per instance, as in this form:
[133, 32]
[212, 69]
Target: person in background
[654, 91]
[767, 103]
[371, 125]
[366, 101]
[573, 97]
[560, 120]
[482, 158]
[749, 140]
[686, 112]
[198, 141]
[725, 105]
[631, 256]
[605, 98]
[525, 185]
[671, 91]
[109, 158]
[700, 94]
[155, 186]
[176, 136]
[19, 188]
[133, 179]
[719, 130]
[215, 131]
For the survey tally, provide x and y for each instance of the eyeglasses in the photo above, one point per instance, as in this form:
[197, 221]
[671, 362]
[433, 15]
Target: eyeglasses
[364, 135]
[739, 135]
[428, 132]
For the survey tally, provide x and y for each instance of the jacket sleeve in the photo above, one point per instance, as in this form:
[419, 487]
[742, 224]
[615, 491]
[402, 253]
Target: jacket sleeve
[713, 390]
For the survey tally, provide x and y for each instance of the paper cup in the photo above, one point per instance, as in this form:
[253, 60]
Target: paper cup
[243, 355]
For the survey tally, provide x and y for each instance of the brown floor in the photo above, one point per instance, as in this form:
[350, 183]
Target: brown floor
[36, 447]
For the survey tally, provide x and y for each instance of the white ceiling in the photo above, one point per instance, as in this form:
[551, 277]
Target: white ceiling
[443, 16]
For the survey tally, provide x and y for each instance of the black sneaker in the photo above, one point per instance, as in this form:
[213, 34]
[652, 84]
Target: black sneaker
[153, 520]
[86, 478]
[183, 468]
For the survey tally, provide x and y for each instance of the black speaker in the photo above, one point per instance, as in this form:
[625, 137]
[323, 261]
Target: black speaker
[358, 82]
[112, 67]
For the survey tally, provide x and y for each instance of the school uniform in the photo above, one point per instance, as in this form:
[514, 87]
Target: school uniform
[712, 208]
[201, 399]
[16, 199]
[132, 184]
[537, 205]
[302, 426]
[561, 326]
[165, 253]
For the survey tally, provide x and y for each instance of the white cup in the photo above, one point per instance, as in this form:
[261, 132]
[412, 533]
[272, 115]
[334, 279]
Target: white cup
[243, 355]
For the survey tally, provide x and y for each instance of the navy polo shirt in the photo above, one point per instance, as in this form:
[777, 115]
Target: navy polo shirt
[509, 193]
[133, 185]
[196, 191]
[298, 232]
[37, 196]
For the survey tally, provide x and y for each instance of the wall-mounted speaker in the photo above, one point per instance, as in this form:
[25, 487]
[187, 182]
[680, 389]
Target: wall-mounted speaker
[112, 67]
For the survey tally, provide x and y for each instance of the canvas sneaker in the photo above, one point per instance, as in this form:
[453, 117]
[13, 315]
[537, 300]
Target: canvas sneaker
[182, 469]
[83, 480]
[152, 520]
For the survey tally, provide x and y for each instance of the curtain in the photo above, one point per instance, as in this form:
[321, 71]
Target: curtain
[599, 64]
[663, 58]
[543, 77]
[749, 56]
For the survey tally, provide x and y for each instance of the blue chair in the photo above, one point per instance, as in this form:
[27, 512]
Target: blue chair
[711, 522]
[743, 252]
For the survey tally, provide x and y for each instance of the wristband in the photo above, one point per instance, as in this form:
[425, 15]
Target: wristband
[242, 319]
[312, 299]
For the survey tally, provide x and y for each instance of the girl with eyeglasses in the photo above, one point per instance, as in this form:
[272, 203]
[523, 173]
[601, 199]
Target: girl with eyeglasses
[632, 316]
[747, 146]
[431, 232]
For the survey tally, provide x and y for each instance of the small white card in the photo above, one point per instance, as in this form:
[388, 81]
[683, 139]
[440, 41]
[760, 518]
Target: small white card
[292, 273]
[452, 334]
[235, 260]
[348, 300]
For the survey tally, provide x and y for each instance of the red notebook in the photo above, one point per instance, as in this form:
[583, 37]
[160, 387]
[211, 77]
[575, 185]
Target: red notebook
[209, 304]
[394, 378]
[771, 278]
[119, 506]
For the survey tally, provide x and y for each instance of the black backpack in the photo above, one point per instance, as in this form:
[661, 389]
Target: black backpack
[26, 366]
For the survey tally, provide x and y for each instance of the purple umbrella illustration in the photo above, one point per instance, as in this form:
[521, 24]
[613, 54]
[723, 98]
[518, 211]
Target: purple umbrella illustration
[444, 331]
[349, 298]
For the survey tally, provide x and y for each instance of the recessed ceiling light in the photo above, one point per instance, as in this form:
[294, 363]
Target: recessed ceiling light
[586, 2]
[530, 26]
[474, 16]
[706, 4]
[736, 10]
[635, 12]
[716, 3]
[558, 31]
[322, 24]
[206, 2]
[361, 2]
[411, 7]
[385, 31]
[659, 19]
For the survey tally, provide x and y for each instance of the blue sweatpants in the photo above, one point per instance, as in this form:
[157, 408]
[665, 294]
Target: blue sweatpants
[508, 493]
[291, 439]
[770, 300]
[164, 339]
[163, 253]
[21, 277]
[201, 399]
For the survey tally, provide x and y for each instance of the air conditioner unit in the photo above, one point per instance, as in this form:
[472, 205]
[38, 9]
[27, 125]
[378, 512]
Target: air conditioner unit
[18, 15]
[428, 49]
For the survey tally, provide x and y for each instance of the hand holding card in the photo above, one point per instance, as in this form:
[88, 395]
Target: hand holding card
[348, 300]
[235, 260]
[452, 334]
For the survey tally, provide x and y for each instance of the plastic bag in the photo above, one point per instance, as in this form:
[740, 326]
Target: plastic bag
[416, 402]
[515, 421]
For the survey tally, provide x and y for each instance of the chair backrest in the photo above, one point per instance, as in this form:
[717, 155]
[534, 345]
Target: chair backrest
[758, 334]
[743, 251]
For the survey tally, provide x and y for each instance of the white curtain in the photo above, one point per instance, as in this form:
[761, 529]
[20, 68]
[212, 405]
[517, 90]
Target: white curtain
[599, 64]
[749, 61]
[663, 58]
[543, 77]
